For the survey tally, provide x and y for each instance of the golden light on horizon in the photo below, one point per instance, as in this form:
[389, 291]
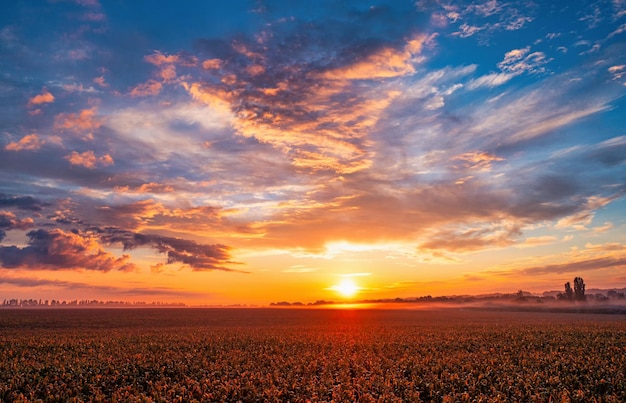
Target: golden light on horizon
[347, 288]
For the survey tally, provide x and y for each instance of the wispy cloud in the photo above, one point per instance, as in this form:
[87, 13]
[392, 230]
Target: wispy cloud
[37, 282]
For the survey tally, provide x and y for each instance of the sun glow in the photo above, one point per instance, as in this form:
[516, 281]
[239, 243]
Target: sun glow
[347, 288]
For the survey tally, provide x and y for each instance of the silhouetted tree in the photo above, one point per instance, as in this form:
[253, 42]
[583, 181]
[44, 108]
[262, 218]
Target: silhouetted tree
[579, 289]
[569, 293]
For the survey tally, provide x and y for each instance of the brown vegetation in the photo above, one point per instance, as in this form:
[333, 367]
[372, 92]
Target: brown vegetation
[310, 355]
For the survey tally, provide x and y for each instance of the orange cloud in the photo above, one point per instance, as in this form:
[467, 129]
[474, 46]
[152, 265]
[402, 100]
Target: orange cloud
[168, 73]
[212, 64]
[321, 122]
[158, 58]
[28, 142]
[334, 140]
[150, 87]
[88, 159]
[479, 160]
[537, 241]
[43, 98]
[213, 97]
[100, 81]
[255, 70]
[84, 120]
[151, 187]
[385, 63]
[8, 220]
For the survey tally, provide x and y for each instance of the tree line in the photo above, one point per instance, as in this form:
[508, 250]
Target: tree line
[34, 303]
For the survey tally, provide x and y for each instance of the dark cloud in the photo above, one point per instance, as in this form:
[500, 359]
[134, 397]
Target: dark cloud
[610, 153]
[9, 221]
[50, 162]
[58, 250]
[21, 202]
[198, 256]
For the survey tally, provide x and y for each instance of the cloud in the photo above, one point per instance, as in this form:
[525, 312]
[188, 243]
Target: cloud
[146, 188]
[212, 64]
[88, 159]
[168, 73]
[130, 215]
[9, 221]
[490, 80]
[467, 30]
[58, 250]
[43, 98]
[579, 266]
[479, 160]
[584, 216]
[73, 87]
[28, 142]
[22, 202]
[618, 71]
[198, 256]
[82, 121]
[298, 268]
[473, 239]
[158, 58]
[317, 118]
[607, 226]
[384, 63]
[619, 30]
[149, 88]
[101, 81]
[515, 62]
[90, 288]
[485, 18]
[608, 259]
[537, 241]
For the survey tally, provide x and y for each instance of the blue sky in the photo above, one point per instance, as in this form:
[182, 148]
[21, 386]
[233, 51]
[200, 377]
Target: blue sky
[205, 150]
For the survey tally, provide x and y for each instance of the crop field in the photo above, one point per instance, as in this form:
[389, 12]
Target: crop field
[257, 355]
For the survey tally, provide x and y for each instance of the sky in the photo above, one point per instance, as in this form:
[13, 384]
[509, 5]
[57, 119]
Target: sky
[248, 152]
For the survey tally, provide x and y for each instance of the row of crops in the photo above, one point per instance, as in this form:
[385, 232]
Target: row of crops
[306, 355]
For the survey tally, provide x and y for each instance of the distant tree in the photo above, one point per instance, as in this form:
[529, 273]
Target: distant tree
[579, 289]
[569, 293]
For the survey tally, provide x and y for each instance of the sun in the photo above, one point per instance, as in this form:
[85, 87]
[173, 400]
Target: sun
[346, 288]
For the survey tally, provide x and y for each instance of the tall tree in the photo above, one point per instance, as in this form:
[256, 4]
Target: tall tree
[579, 289]
[569, 293]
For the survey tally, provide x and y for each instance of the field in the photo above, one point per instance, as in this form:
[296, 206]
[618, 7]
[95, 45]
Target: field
[252, 355]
